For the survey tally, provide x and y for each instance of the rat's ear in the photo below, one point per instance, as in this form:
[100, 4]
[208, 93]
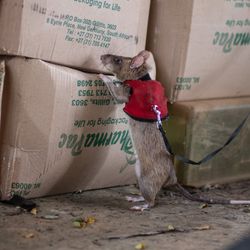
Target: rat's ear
[138, 60]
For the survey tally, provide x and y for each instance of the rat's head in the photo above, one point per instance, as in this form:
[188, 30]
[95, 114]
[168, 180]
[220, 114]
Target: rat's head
[127, 68]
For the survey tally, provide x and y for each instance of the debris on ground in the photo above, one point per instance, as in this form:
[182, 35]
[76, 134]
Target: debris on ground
[105, 221]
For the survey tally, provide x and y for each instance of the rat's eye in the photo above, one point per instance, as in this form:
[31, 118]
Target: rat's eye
[117, 60]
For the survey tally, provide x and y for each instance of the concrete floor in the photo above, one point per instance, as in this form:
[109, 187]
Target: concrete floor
[102, 220]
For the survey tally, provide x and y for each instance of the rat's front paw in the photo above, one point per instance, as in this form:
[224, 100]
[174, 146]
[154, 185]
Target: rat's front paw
[104, 78]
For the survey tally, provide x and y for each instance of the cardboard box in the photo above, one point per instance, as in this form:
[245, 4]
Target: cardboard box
[197, 128]
[73, 33]
[60, 132]
[201, 48]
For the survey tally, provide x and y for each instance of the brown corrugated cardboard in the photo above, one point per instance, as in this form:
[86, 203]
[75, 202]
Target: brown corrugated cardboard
[198, 128]
[201, 48]
[61, 132]
[73, 33]
[2, 75]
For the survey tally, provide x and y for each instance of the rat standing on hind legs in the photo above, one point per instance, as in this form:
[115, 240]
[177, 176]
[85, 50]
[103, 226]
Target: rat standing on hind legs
[154, 166]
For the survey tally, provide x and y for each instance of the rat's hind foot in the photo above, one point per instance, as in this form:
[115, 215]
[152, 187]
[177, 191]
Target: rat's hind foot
[141, 207]
[135, 199]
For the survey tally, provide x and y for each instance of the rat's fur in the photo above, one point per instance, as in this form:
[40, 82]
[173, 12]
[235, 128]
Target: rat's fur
[120, 67]
[154, 166]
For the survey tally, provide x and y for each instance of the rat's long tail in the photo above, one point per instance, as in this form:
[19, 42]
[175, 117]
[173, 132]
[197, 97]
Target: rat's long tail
[192, 197]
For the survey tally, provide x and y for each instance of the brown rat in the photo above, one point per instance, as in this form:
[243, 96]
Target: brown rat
[122, 67]
[154, 166]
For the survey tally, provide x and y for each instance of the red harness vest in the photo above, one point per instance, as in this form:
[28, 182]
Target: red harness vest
[144, 95]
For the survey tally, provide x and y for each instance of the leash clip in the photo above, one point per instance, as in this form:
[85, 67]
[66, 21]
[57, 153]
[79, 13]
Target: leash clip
[158, 115]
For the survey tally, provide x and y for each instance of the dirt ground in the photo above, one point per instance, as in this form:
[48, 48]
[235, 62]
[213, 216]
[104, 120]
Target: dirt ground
[102, 220]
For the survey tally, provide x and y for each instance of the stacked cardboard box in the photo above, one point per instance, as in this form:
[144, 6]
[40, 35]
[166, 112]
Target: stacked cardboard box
[201, 48]
[73, 33]
[202, 53]
[197, 128]
[60, 129]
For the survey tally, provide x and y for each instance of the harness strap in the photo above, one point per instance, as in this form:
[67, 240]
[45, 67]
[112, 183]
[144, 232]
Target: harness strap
[158, 115]
[207, 157]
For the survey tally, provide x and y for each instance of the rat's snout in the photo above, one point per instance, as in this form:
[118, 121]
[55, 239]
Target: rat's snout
[102, 57]
[105, 59]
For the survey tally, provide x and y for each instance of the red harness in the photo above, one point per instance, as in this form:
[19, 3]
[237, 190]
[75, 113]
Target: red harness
[144, 95]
